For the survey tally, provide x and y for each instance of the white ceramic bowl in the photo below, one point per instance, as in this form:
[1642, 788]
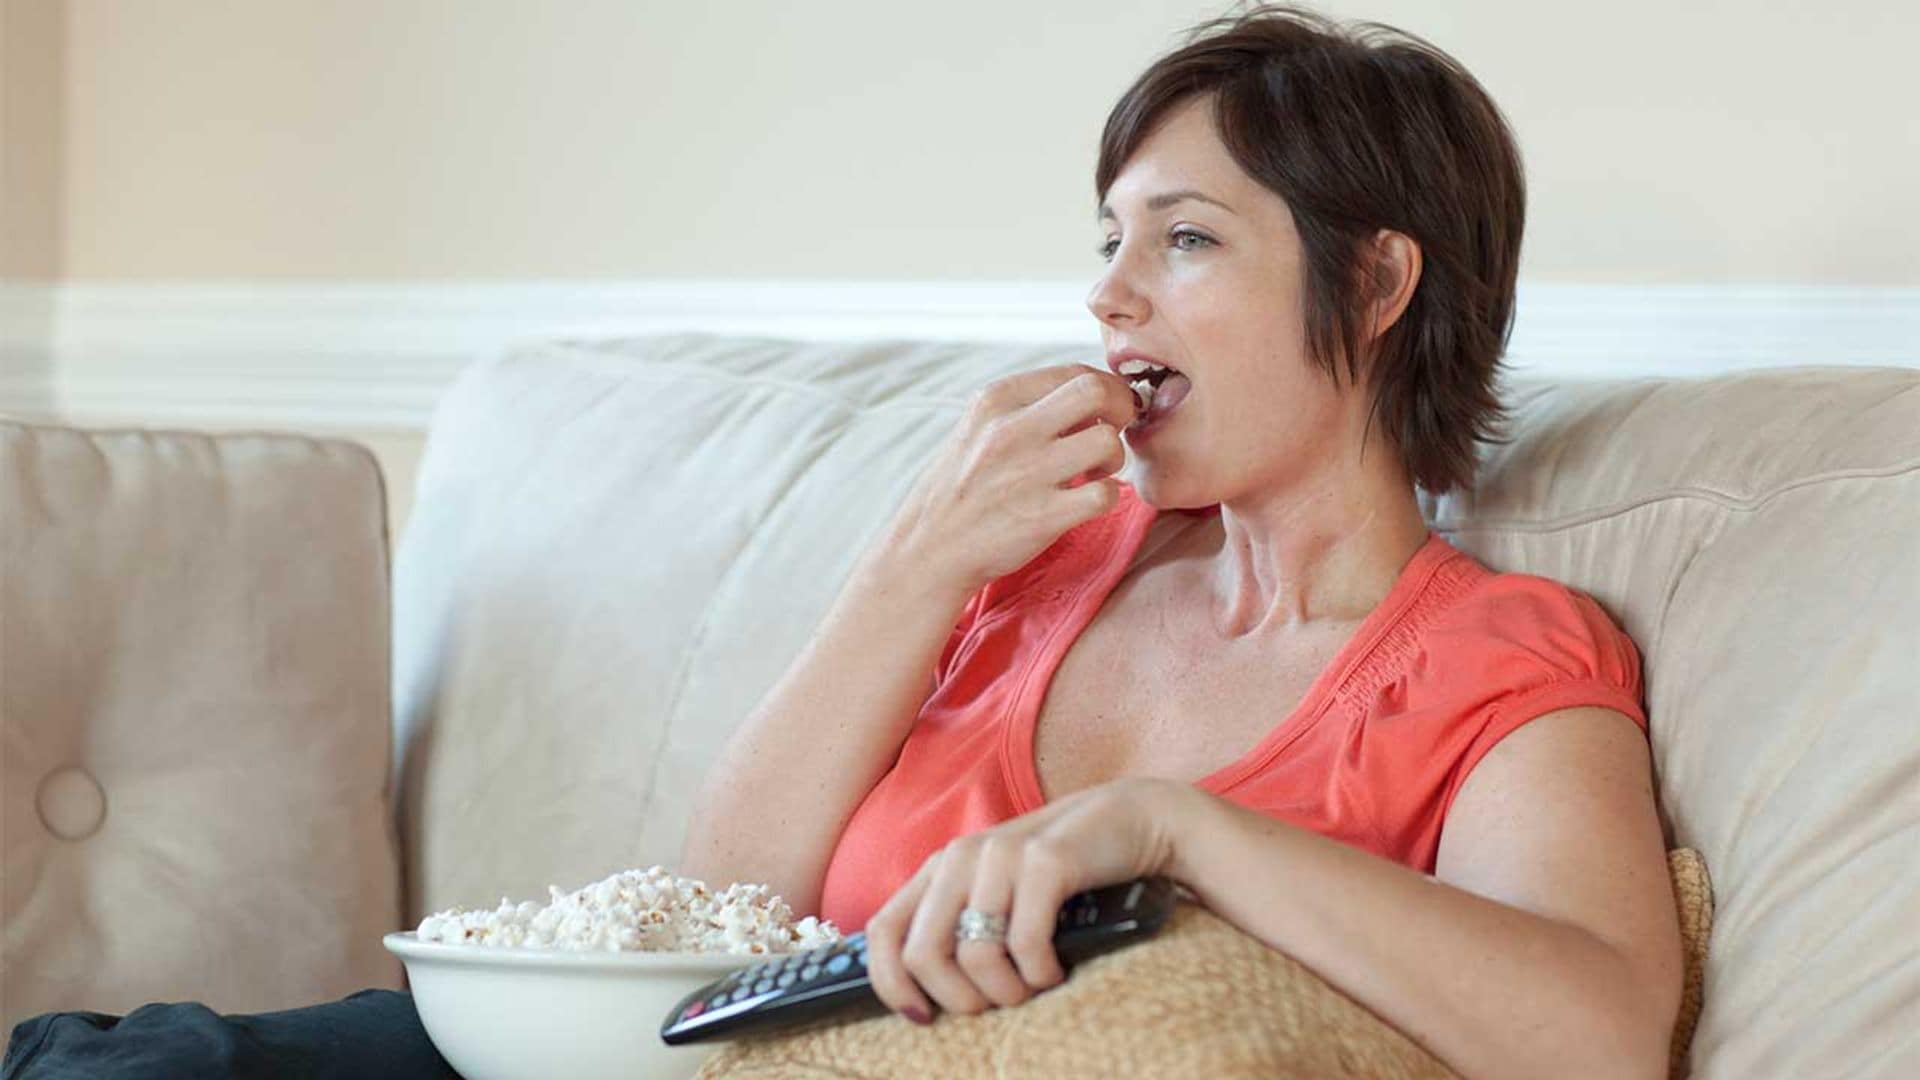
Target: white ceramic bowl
[536, 1014]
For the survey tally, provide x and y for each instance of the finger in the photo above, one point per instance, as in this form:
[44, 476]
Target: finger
[886, 932]
[1089, 455]
[1084, 502]
[928, 951]
[1024, 388]
[986, 962]
[1015, 395]
[1075, 404]
[1043, 888]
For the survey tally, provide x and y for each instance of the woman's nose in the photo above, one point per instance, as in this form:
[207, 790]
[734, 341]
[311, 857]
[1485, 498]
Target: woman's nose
[1113, 297]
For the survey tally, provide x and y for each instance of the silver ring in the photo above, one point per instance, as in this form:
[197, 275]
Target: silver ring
[977, 925]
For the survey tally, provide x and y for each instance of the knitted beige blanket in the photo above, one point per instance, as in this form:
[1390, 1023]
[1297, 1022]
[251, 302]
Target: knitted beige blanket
[1199, 998]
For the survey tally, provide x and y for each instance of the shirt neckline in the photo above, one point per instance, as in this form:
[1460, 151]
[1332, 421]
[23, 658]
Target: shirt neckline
[1354, 659]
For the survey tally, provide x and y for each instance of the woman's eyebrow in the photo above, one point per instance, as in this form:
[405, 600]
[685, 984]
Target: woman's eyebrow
[1168, 198]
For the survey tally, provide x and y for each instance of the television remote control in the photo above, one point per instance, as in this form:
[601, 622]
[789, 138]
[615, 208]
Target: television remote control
[794, 988]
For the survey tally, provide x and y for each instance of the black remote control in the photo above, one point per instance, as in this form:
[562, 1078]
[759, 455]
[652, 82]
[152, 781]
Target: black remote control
[794, 988]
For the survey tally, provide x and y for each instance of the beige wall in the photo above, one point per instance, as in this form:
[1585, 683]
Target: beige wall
[1700, 142]
[369, 140]
[399, 453]
[32, 127]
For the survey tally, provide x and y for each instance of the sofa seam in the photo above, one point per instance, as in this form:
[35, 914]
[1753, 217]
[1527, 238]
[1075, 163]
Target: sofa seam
[1725, 500]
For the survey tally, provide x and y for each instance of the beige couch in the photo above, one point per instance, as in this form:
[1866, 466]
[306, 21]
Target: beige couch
[618, 546]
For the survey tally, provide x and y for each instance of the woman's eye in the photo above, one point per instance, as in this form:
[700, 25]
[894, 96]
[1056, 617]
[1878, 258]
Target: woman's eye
[1105, 251]
[1184, 234]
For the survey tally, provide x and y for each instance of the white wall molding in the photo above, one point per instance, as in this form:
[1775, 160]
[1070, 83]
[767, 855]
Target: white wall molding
[371, 356]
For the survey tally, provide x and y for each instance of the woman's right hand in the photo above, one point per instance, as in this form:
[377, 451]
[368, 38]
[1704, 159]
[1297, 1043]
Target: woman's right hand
[1033, 457]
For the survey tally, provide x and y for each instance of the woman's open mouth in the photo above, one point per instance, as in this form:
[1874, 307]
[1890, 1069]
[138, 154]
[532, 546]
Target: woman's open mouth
[1160, 391]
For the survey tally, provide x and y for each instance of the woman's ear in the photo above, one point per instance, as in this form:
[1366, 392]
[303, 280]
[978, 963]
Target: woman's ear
[1394, 266]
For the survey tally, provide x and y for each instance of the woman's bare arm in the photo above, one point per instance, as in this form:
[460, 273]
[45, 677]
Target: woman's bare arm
[996, 495]
[786, 783]
[1546, 944]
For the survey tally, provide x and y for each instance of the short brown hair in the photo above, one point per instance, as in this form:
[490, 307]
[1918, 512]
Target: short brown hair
[1359, 128]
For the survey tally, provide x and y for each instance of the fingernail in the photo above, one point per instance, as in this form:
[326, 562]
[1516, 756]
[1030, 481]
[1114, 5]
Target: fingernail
[916, 1014]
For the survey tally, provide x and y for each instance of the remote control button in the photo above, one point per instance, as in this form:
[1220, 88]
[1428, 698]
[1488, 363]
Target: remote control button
[810, 971]
[716, 1001]
[839, 964]
[785, 980]
[740, 994]
[694, 1010]
[763, 986]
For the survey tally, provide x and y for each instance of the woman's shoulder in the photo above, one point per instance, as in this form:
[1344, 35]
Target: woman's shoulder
[1514, 625]
[1509, 600]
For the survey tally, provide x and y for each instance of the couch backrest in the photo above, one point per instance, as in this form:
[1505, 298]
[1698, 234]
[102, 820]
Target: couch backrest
[618, 547]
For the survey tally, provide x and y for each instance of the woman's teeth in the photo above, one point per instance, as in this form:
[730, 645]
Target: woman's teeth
[1159, 396]
[1145, 379]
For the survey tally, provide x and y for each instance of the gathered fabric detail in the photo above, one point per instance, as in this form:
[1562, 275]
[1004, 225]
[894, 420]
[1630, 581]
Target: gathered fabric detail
[1389, 659]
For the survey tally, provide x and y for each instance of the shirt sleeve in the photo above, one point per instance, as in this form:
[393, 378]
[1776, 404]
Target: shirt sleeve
[1541, 647]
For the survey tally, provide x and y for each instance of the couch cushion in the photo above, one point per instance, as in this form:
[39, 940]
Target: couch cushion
[1755, 534]
[615, 551]
[619, 546]
[194, 682]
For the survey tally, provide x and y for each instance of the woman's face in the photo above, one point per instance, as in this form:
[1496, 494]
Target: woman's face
[1215, 293]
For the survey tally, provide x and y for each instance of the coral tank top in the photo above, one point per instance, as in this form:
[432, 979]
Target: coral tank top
[1453, 659]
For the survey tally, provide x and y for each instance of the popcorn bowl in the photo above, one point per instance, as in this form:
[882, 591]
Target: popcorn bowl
[533, 1014]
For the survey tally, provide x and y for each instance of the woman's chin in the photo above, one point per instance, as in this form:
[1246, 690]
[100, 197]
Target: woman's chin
[1147, 487]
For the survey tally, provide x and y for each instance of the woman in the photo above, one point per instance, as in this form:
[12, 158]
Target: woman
[1321, 236]
[1453, 819]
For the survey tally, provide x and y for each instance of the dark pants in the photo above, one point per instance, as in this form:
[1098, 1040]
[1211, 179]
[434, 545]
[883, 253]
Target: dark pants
[369, 1035]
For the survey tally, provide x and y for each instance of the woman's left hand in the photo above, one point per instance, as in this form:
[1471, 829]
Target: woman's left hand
[1025, 869]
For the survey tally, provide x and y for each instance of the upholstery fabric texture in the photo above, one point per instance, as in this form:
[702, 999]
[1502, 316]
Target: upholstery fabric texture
[194, 694]
[1199, 998]
[618, 547]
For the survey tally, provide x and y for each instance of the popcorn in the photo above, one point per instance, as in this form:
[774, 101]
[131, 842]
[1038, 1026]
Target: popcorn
[649, 910]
